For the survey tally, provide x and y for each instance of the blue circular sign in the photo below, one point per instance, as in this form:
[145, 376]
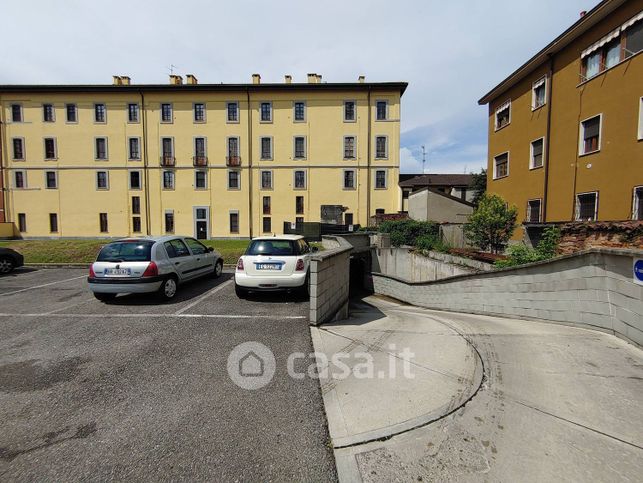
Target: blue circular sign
[638, 270]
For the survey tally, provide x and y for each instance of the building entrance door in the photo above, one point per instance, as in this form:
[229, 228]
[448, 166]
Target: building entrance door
[201, 222]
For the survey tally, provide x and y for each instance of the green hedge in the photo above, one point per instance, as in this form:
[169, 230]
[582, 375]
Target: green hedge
[408, 232]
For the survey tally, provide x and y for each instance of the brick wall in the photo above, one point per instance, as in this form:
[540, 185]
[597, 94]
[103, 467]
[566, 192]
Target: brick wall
[577, 237]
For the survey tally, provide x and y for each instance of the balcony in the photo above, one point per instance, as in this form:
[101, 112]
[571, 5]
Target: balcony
[168, 160]
[200, 160]
[233, 160]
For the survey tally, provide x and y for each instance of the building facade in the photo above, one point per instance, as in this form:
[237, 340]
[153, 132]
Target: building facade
[208, 160]
[566, 129]
[457, 185]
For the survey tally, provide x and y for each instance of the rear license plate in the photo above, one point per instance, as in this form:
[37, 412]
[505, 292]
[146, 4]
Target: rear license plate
[117, 271]
[268, 266]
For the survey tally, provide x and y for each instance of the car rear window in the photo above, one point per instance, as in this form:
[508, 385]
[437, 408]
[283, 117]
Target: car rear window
[126, 251]
[271, 247]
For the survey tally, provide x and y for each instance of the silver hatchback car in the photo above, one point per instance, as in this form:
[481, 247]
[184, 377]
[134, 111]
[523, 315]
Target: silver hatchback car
[148, 265]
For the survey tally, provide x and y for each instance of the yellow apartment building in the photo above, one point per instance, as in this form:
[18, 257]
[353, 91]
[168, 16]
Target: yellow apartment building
[566, 128]
[208, 160]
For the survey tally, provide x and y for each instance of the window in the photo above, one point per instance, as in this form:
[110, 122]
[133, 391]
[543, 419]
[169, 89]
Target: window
[266, 111]
[134, 148]
[533, 211]
[176, 248]
[168, 180]
[234, 182]
[22, 222]
[132, 112]
[637, 211]
[50, 148]
[380, 179]
[16, 112]
[51, 180]
[53, 222]
[136, 205]
[71, 112]
[633, 38]
[102, 180]
[299, 109]
[266, 205]
[381, 147]
[169, 224]
[234, 222]
[348, 219]
[350, 147]
[380, 211]
[100, 113]
[501, 166]
[136, 224]
[266, 180]
[135, 180]
[590, 138]
[612, 54]
[166, 112]
[587, 206]
[266, 148]
[101, 149]
[299, 205]
[200, 179]
[199, 112]
[19, 179]
[200, 152]
[233, 111]
[538, 93]
[18, 149]
[503, 115]
[299, 182]
[48, 113]
[536, 160]
[349, 111]
[233, 152]
[349, 179]
[381, 110]
[300, 147]
[592, 64]
[267, 224]
[102, 222]
[167, 151]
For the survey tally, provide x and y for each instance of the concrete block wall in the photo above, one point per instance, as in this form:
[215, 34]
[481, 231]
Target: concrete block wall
[329, 284]
[592, 289]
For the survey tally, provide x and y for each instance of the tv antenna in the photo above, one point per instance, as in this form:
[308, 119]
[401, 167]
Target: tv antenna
[423, 158]
[171, 69]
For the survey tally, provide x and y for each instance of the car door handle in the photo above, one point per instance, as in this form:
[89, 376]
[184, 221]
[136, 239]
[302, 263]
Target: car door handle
[177, 263]
[198, 259]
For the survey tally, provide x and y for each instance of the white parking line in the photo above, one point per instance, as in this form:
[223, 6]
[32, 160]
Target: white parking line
[148, 315]
[41, 286]
[203, 297]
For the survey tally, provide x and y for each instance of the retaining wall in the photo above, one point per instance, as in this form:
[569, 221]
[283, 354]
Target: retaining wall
[594, 289]
[329, 284]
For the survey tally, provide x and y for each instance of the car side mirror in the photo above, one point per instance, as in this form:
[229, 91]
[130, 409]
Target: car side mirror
[210, 249]
[314, 249]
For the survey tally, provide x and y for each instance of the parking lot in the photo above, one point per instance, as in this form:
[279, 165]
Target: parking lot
[139, 389]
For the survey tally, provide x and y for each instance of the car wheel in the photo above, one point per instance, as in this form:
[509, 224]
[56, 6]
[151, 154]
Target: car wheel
[105, 297]
[168, 288]
[6, 264]
[241, 292]
[218, 269]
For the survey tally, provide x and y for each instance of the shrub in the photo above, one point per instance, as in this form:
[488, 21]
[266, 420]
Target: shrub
[491, 224]
[430, 242]
[406, 232]
[522, 254]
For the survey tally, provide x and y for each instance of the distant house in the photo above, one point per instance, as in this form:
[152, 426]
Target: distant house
[430, 204]
[456, 185]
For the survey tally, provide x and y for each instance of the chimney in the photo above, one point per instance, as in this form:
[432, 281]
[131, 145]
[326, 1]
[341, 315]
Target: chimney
[190, 79]
[176, 80]
[319, 78]
[583, 13]
[125, 80]
[116, 80]
[361, 79]
[288, 79]
[313, 79]
[256, 79]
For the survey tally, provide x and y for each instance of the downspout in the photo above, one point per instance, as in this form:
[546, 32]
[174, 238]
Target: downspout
[577, 159]
[249, 162]
[3, 193]
[368, 163]
[548, 135]
[145, 166]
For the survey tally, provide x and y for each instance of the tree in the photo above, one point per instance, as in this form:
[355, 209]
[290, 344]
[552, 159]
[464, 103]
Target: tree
[491, 224]
[478, 185]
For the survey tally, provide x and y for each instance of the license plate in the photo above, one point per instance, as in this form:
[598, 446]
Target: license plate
[117, 271]
[268, 266]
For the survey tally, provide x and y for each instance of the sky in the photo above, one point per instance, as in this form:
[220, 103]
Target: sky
[450, 53]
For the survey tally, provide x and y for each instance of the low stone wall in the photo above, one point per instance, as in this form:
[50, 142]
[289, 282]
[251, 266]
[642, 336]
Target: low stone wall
[594, 289]
[580, 236]
[403, 262]
[329, 284]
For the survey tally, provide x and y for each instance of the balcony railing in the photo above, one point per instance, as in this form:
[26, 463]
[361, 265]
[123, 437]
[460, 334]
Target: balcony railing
[233, 160]
[200, 160]
[167, 160]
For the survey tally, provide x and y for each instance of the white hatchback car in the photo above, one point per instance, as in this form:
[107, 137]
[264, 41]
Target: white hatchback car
[274, 263]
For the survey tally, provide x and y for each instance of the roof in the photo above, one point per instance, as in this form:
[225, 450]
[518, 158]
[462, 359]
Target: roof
[438, 180]
[279, 237]
[136, 88]
[446, 195]
[582, 25]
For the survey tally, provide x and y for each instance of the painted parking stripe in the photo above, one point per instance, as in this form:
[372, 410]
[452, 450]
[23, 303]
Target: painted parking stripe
[203, 297]
[41, 286]
[147, 315]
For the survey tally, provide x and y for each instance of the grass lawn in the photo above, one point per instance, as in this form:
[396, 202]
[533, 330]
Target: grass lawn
[85, 250]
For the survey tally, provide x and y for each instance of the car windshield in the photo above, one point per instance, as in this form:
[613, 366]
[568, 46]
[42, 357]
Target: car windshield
[126, 251]
[271, 247]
